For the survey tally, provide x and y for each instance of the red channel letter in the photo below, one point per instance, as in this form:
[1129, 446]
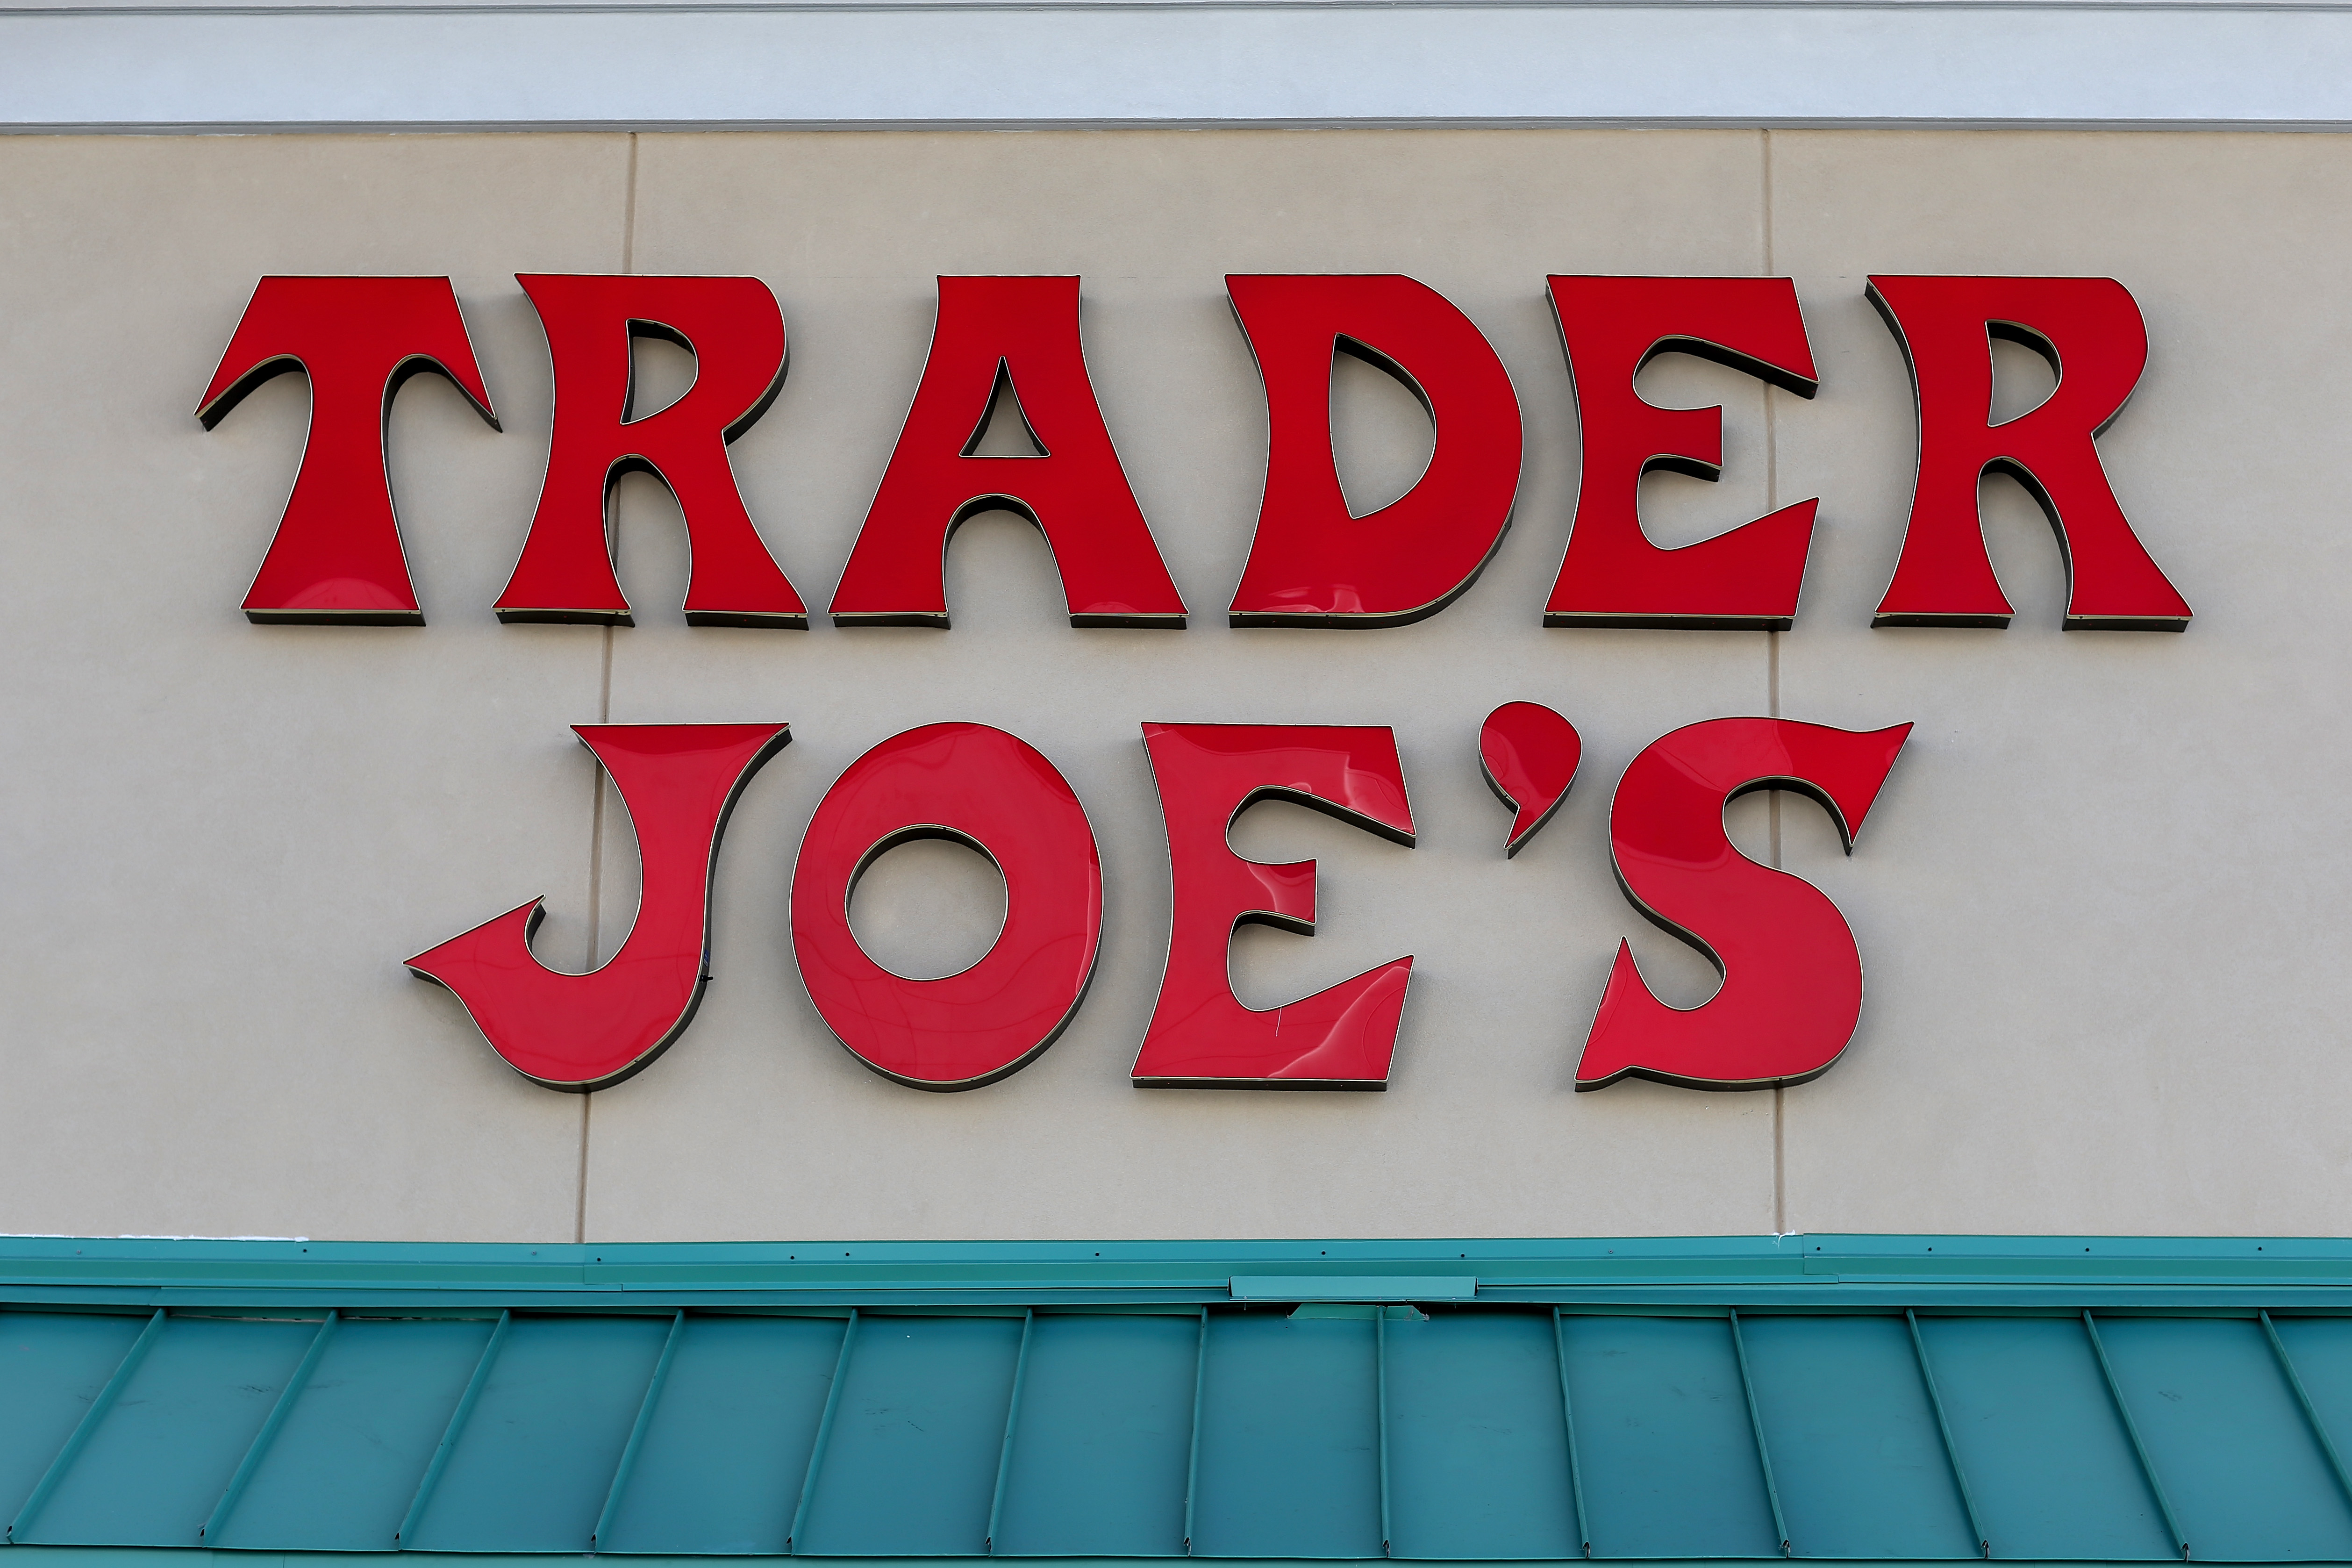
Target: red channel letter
[1528, 754]
[586, 1032]
[993, 792]
[1200, 1035]
[1791, 975]
[2090, 331]
[1312, 565]
[1612, 576]
[736, 333]
[336, 559]
[992, 331]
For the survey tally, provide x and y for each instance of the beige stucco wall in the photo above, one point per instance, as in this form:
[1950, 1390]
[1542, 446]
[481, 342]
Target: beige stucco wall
[2100, 901]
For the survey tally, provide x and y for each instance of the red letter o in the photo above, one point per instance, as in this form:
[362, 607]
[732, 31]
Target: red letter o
[994, 792]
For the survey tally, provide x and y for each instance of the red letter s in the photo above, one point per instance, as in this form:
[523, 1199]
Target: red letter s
[1791, 974]
[590, 1031]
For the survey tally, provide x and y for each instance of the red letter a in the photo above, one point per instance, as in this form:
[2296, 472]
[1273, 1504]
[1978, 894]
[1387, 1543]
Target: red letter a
[2091, 332]
[1023, 330]
[336, 559]
[736, 334]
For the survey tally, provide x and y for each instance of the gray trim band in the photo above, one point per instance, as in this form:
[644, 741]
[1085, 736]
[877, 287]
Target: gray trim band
[1149, 62]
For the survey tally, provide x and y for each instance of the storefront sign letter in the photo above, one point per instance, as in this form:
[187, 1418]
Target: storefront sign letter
[996, 333]
[336, 559]
[1791, 974]
[736, 333]
[2090, 331]
[996, 793]
[1612, 576]
[590, 1031]
[1312, 565]
[1200, 1035]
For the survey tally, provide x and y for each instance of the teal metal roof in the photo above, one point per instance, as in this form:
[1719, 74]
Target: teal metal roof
[1859, 1398]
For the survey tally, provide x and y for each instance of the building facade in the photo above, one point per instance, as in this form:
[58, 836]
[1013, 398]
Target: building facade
[1988, 1253]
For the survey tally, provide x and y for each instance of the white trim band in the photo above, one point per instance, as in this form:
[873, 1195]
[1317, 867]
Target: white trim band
[447, 67]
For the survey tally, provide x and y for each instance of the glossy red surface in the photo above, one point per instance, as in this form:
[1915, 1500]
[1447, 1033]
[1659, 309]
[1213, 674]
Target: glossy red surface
[337, 555]
[1025, 329]
[1200, 1033]
[2090, 331]
[1612, 576]
[1528, 754]
[997, 794]
[587, 1031]
[736, 333]
[1791, 974]
[1311, 564]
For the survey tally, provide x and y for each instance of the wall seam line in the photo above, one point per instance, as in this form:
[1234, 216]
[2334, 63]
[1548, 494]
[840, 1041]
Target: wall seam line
[603, 716]
[1773, 677]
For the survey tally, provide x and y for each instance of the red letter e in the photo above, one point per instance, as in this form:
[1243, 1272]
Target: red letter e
[1200, 1035]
